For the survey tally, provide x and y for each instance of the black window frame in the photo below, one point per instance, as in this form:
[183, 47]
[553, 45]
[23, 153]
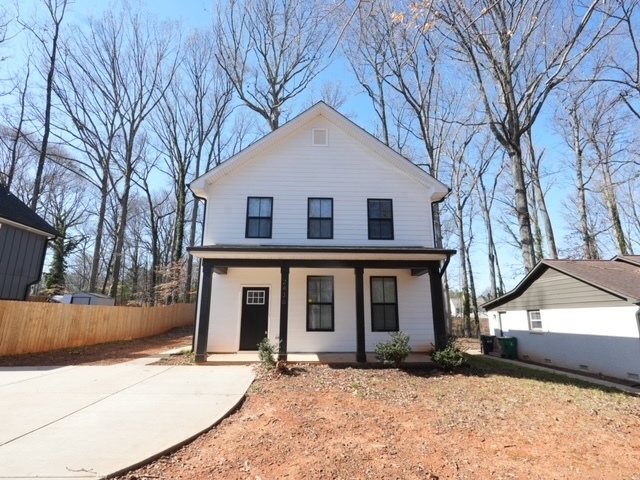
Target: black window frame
[373, 221]
[311, 302]
[319, 220]
[259, 218]
[386, 328]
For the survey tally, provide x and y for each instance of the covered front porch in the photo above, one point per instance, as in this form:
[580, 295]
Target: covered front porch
[415, 261]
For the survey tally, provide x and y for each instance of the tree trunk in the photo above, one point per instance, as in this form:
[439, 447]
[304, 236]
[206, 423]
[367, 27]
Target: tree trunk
[542, 204]
[466, 303]
[611, 200]
[121, 233]
[589, 244]
[472, 291]
[491, 249]
[46, 129]
[97, 249]
[522, 208]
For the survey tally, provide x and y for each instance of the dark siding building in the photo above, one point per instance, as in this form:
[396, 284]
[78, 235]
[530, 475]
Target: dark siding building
[23, 245]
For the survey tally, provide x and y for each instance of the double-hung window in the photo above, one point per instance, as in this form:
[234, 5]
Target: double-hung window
[320, 304]
[259, 217]
[384, 304]
[380, 215]
[535, 320]
[320, 218]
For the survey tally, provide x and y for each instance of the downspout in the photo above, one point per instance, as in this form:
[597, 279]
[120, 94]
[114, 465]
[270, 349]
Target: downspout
[195, 319]
[437, 242]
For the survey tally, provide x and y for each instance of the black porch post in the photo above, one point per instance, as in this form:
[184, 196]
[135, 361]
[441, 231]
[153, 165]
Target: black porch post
[437, 307]
[205, 310]
[361, 354]
[284, 312]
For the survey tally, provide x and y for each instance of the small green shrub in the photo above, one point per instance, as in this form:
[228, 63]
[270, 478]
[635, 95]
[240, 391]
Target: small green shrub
[395, 351]
[267, 353]
[450, 356]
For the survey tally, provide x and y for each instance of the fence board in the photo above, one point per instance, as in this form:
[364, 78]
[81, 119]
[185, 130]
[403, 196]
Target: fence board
[30, 327]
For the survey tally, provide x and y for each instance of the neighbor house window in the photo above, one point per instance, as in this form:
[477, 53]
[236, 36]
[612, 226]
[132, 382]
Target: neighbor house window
[320, 304]
[259, 217]
[535, 320]
[380, 214]
[320, 223]
[384, 304]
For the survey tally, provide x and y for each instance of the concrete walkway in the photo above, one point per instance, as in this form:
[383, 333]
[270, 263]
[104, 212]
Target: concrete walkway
[92, 422]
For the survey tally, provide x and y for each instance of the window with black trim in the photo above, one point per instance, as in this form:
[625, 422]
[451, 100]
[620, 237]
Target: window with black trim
[259, 217]
[535, 320]
[380, 214]
[320, 218]
[384, 304]
[320, 304]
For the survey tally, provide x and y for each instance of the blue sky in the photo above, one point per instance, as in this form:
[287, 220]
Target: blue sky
[197, 13]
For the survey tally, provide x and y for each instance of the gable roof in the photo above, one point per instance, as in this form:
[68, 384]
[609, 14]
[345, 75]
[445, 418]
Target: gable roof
[616, 277]
[632, 259]
[321, 109]
[17, 213]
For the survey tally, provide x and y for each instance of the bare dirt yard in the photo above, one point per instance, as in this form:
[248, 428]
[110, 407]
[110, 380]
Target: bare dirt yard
[488, 420]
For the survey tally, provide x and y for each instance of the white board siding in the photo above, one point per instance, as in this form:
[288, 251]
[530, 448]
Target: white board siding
[294, 171]
[414, 308]
[226, 306]
[606, 340]
[343, 338]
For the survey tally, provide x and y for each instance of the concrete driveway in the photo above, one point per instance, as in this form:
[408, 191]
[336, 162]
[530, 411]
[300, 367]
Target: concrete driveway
[91, 422]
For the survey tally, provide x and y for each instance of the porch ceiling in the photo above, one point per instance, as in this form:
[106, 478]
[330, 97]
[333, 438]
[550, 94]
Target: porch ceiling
[288, 252]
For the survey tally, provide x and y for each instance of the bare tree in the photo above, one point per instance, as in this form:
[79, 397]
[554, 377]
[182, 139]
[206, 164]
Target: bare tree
[13, 137]
[517, 53]
[64, 200]
[533, 170]
[189, 124]
[486, 197]
[570, 122]
[271, 50]
[48, 36]
[115, 74]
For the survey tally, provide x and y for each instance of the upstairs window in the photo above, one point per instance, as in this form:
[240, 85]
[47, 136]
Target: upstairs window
[320, 222]
[320, 304]
[259, 217]
[380, 214]
[384, 304]
[535, 320]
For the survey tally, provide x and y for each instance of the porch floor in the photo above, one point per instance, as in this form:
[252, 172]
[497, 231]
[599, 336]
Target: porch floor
[245, 358]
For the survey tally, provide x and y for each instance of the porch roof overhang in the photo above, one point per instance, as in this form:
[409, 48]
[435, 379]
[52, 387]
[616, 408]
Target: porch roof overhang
[418, 259]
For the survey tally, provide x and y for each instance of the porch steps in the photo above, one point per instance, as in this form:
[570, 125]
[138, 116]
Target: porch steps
[249, 358]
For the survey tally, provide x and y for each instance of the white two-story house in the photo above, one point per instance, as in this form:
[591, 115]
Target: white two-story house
[320, 237]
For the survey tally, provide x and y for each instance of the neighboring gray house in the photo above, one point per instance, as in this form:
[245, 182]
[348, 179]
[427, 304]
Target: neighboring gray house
[576, 314]
[23, 245]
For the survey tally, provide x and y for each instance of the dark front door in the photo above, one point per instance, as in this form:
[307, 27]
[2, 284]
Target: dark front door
[255, 314]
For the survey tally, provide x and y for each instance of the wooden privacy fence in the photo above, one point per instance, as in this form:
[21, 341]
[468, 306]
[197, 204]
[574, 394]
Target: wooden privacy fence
[27, 327]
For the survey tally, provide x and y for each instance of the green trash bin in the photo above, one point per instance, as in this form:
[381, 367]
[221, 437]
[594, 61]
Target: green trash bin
[509, 346]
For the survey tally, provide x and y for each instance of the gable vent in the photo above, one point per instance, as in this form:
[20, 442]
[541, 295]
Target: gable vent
[320, 137]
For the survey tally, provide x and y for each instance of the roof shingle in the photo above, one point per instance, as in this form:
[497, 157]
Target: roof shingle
[12, 209]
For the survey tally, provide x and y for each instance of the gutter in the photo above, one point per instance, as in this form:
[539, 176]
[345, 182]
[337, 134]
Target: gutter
[437, 242]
